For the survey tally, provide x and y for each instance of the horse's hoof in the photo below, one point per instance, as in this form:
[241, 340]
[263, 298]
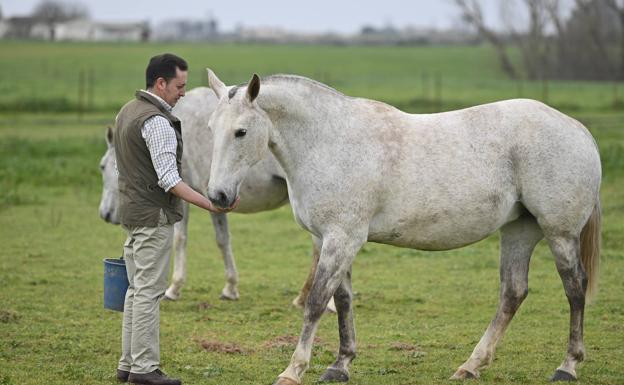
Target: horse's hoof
[226, 297]
[334, 375]
[229, 293]
[463, 374]
[562, 375]
[169, 295]
[285, 381]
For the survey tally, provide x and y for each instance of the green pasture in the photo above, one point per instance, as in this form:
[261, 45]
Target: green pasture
[418, 314]
[84, 76]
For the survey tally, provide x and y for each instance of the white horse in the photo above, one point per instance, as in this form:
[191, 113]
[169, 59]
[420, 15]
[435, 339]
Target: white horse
[360, 170]
[264, 189]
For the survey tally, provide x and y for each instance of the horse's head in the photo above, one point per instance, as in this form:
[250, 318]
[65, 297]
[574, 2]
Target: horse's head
[241, 136]
[110, 188]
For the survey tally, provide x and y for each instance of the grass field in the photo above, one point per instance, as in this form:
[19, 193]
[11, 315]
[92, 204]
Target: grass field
[43, 77]
[418, 314]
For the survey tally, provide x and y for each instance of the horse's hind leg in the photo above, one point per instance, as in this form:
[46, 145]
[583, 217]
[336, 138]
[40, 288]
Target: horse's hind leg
[518, 239]
[567, 258]
[339, 370]
[180, 233]
[222, 233]
[305, 290]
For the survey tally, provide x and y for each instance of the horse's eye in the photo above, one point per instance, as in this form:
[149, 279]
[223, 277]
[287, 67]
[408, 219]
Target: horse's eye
[102, 167]
[240, 133]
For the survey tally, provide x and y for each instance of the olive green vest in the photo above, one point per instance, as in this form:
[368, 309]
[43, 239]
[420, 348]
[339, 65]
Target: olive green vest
[140, 197]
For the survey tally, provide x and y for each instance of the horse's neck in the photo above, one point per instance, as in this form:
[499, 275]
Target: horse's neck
[301, 123]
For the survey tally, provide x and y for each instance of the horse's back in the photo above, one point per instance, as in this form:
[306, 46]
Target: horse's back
[461, 175]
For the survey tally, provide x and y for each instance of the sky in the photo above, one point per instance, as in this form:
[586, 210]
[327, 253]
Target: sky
[346, 16]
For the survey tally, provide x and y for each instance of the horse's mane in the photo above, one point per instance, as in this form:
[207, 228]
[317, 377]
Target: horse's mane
[288, 78]
[300, 79]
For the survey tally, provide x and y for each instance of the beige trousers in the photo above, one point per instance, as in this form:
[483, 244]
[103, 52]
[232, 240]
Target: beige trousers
[147, 252]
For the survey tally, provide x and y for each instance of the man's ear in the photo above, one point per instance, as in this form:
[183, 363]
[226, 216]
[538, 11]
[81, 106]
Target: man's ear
[160, 84]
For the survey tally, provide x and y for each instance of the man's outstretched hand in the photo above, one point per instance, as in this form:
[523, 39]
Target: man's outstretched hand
[185, 192]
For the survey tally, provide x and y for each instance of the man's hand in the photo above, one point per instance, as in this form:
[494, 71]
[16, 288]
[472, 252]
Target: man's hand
[185, 192]
[216, 209]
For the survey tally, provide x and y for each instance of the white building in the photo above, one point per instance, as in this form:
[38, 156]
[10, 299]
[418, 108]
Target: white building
[87, 30]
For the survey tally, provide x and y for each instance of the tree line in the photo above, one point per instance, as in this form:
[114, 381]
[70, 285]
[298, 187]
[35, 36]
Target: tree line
[556, 39]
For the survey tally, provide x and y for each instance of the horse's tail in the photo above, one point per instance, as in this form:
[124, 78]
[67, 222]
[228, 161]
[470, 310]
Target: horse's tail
[590, 250]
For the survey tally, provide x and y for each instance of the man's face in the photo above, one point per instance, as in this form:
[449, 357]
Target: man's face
[174, 89]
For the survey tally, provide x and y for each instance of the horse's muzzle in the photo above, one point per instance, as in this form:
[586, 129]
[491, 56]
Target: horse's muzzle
[222, 199]
[109, 217]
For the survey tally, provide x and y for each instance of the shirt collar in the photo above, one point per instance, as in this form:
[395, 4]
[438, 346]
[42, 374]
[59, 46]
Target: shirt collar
[160, 100]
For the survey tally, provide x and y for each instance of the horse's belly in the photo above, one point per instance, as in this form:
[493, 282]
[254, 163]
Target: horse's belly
[442, 230]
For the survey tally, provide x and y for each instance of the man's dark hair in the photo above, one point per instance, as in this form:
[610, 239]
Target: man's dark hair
[163, 66]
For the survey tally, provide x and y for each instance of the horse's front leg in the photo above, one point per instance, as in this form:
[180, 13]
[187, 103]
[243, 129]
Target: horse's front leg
[180, 235]
[339, 370]
[222, 233]
[337, 254]
[305, 290]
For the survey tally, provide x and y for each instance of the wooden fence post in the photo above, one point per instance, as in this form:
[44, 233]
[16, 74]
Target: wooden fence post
[438, 92]
[424, 78]
[545, 90]
[81, 92]
[91, 89]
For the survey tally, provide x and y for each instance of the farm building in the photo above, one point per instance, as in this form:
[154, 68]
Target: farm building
[73, 30]
[25, 27]
[87, 30]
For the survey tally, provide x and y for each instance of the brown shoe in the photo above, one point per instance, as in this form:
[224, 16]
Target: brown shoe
[122, 375]
[157, 377]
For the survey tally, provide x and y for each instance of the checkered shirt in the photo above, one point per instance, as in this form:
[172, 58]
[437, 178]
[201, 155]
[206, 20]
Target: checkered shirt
[161, 142]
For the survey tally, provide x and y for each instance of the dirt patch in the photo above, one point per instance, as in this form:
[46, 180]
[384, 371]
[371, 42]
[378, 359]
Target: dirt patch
[203, 306]
[287, 341]
[405, 347]
[7, 316]
[221, 347]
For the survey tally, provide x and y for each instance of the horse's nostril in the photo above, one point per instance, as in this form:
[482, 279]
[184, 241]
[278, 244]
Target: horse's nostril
[222, 198]
[219, 198]
[107, 217]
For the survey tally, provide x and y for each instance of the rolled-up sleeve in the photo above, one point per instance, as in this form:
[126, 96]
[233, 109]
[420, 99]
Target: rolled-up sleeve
[162, 144]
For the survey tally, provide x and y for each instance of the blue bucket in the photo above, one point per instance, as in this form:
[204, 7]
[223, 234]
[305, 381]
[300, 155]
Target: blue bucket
[115, 283]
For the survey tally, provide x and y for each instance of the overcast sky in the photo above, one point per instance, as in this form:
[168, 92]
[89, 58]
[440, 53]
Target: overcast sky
[346, 16]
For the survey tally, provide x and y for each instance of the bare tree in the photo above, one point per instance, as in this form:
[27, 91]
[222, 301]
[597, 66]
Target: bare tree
[553, 10]
[530, 37]
[472, 14]
[594, 22]
[587, 44]
[52, 11]
[617, 6]
[535, 45]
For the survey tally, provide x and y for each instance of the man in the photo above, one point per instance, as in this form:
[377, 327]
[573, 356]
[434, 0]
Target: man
[148, 146]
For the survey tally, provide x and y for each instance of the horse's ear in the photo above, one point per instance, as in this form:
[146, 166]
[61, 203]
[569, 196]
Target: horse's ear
[216, 85]
[109, 136]
[253, 88]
